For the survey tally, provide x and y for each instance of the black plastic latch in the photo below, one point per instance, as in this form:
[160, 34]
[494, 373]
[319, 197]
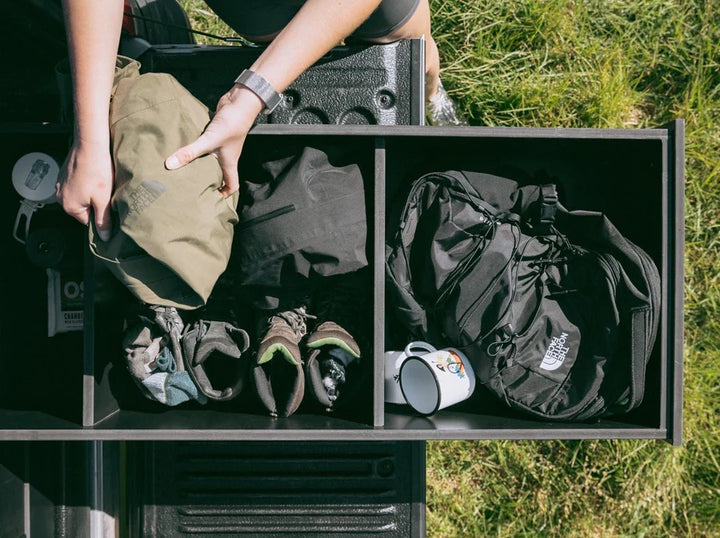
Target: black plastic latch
[548, 205]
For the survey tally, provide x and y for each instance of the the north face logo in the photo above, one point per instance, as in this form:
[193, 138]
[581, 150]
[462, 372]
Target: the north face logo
[141, 197]
[555, 353]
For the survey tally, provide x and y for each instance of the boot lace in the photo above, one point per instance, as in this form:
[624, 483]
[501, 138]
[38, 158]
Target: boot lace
[295, 318]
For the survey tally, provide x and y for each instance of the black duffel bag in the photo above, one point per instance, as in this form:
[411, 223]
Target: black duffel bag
[556, 310]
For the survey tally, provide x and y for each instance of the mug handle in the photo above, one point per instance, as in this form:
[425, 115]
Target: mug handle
[422, 346]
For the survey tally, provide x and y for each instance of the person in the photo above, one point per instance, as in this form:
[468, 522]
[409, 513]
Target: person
[298, 33]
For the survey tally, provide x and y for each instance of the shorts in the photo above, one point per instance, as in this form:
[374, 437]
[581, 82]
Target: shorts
[257, 18]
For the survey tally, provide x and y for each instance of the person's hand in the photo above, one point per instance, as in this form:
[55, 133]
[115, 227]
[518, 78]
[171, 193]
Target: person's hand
[224, 136]
[85, 185]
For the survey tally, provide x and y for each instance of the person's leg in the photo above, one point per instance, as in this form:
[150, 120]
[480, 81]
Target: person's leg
[403, 19]
[258, 21]
[417, 25]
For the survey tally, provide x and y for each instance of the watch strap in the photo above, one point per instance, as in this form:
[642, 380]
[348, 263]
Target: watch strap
[257, 84]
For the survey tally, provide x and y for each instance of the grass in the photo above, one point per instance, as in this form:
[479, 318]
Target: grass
[611, 63]
[615, 63]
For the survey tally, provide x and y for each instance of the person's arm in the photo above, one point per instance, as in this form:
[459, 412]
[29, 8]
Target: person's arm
[93, 30]
[315, 29]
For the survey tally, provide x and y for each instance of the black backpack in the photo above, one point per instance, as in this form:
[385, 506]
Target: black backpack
[555, 309]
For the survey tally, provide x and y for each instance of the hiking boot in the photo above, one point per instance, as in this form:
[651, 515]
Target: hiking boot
[343, 314]
[329, 333]
[280, 383]
[213, 352]
[326, 372]
[283, 334]
[440, 109]
[151, 344]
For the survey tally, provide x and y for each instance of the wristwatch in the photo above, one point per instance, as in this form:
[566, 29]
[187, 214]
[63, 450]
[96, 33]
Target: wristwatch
[262, 88]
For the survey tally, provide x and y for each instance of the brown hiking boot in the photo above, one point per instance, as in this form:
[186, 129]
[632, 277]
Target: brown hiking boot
[280, 383]
[329, 333]
[344, 315]
[283, 334]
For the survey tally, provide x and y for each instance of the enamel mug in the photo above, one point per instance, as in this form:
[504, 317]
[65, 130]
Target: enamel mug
[393, 361]
[436, 380]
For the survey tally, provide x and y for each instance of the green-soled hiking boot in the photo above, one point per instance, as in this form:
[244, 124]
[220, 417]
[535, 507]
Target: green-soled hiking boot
[278, 373]
[344, 318]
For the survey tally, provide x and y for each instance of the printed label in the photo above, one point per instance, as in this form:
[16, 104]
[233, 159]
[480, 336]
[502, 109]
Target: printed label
[65, 301]
[72, 321]
[144, 195]
[73, 293]
[555, 353]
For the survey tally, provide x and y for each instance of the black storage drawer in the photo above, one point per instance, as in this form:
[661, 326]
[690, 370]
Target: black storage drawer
[636, 179]
[114, 403]
[635, 176]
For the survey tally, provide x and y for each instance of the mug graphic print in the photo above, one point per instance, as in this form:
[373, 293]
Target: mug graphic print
[452, 364]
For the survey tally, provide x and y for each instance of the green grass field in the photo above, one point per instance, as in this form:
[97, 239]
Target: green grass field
[612, 63]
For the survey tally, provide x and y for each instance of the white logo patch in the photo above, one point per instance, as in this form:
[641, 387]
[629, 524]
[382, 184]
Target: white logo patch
[555, 353]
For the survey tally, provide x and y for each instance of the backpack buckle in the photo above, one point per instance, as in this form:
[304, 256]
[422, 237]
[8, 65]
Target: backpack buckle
[548, 205]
